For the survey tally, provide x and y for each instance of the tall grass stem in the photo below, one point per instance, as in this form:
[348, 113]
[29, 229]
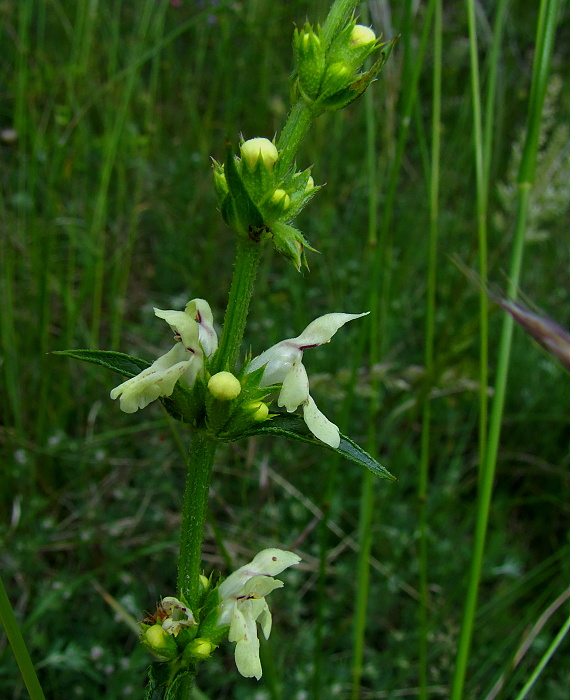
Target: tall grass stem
[366, 515]
[541, 65]
[429, 347]
[481, 189]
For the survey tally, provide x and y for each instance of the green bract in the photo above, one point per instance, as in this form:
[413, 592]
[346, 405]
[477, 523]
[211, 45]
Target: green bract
[258, 203]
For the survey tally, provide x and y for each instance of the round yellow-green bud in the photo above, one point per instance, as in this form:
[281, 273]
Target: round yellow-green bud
[254, 148]
[280, 199]
[361, 35]
[204, 582]
[337, 74]
[160, 642]
[310, 184]
[224, 386]
[259, 411]
[200, 648]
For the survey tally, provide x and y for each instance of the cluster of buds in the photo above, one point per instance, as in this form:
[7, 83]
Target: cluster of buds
[328, 77]
[183, 637]
[259, 203]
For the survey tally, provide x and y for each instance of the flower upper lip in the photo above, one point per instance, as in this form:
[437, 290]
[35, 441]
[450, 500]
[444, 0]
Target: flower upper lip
[195, 337]
[243, 605]
[283, 365]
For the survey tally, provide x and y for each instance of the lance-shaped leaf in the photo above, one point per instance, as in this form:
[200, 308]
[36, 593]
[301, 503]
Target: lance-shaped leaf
[180, 405]
[293, 426]
[119, 362]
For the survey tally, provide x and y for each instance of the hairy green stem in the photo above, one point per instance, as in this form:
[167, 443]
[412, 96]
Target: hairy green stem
[194, 509]
[298, 123]
[245, 272]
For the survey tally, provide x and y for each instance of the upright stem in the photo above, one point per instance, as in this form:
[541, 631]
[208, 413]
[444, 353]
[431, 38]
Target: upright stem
[245, 272]
[194, 509]
[203, 446]
[298, 123]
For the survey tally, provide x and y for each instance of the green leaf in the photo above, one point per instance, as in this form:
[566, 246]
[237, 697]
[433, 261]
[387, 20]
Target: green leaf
[182, 683]
[293, 426]
[162, 686]
[158, 675]
[117, 361]
[181, 405]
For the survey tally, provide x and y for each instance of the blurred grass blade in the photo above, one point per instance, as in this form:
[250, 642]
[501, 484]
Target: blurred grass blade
[548, 16]
[547, 333]
[548, 654]
[19, 646]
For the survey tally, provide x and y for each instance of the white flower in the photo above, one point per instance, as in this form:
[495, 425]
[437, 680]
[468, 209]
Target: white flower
[243, 604]
[174, 615]
[195, 335]
[283, 365]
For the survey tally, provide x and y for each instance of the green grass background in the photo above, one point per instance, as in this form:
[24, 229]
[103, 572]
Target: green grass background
[109, 113]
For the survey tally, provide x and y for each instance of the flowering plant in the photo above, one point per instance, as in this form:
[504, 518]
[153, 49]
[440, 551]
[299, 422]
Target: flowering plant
[201, 382]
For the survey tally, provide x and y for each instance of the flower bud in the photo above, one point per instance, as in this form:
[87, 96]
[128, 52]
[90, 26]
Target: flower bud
[224, 386]
[280, 200]
[310, 60]
[160, 642]
[200, 648]
[310, 184]
[257, 148]
[259, 411]
[338, 77]
[204, 582]
[220, 183]
[361, 36]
